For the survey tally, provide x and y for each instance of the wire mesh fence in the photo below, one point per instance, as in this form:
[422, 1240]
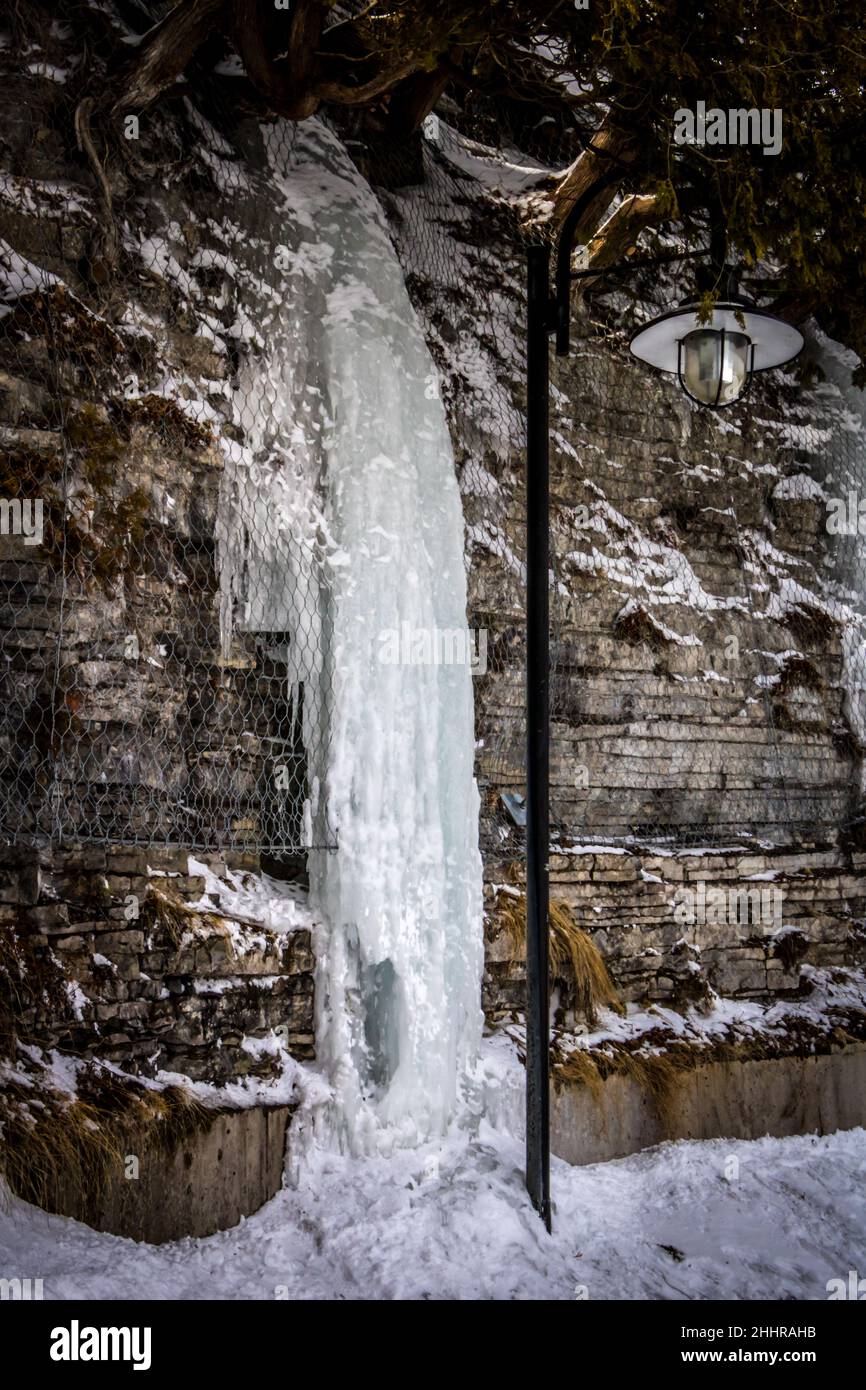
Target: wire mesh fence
[164, 560]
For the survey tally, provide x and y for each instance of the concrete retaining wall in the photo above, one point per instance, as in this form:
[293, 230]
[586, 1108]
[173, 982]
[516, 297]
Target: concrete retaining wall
[731, 1100]
[215, 1177]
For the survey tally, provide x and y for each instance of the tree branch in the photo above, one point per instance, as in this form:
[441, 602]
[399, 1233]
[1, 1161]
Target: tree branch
[378, 86]
[104, 246]
[164, 53]
[618, 236]
[414, 98]
[608, 143]
[288, 87]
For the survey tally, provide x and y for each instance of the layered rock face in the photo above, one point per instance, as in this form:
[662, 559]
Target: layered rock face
[702, 731]
[699, 698]
[105, 957]
[707, 681]
[123, 721]
[130, 735]
[671, 926]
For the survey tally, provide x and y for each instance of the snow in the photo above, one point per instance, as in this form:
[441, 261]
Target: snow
[18, 277]
[41, 198]
[633, 607]
[505, 171]
[845, 467]
[633, 562]
[799, 487]
[54, 74]
[451, 1220]
[289, 1083]
[828, 996]
[78, 1000]
[250, 898]
[341, 519]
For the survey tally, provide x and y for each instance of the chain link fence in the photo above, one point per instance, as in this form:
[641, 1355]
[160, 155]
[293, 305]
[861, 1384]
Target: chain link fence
[163, 559]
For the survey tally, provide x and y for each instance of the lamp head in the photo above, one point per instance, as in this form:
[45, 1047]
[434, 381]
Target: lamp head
[714, 361]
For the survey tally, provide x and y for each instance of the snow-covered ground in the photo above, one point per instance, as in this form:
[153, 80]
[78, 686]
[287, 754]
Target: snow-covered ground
[766, 1219]
[450, 1219]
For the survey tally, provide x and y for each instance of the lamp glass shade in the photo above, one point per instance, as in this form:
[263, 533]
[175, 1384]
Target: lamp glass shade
[714, 366]
[774, 341]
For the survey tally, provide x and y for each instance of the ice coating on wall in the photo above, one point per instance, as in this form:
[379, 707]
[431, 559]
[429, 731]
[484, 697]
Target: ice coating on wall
[354, 456]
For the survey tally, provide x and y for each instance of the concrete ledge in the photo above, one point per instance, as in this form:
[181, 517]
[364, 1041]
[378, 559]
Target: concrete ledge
[779, 1096]
[217, 1175]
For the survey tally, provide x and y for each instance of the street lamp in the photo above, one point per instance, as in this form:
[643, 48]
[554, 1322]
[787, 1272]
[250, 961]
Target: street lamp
[714, 362]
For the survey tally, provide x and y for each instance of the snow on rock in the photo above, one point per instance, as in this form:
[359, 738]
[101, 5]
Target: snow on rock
[251, 899]
[634, 609]
[846, 470]
[799, 487]
[828, 998]
[19, 276]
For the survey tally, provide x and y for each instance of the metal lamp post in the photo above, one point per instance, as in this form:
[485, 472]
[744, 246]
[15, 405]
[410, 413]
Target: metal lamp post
[546, 314]
[714, 362]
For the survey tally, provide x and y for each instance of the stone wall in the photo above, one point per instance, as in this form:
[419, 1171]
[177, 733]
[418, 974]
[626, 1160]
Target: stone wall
[674, 925]
[124, 718]
[700, 713]
[697, 688]
[125, 723]
[113, 967]
[705, 727]
[700, 697]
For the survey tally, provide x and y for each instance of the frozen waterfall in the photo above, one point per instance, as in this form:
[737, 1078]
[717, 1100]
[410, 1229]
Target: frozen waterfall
[347, 456]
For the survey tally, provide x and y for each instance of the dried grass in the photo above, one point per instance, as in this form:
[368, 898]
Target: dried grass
[164, 910]
[575, 960]
[52, 1144]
